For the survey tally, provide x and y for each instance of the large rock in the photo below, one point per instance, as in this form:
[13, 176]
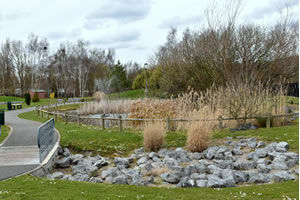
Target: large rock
[100, 163]
[96, 180]
[76, 158]
[113, 172]
[282, 147]
[121, 179]
[262, 168]
[63, 163]
[201, 183]
[237, 151]
[271, 146]
[243, 165]
[259, 178]
[213, 169]
[170, 162]
[57, 175]
[170, 178]
[252, 156]
[121, 162]
[196, 156]
[228, 176]
[261, 153]
[224, 164]
[210, 152]
[241, 176]
[260, 144]
[142, 160]
[220, 153]
[186, 182]
[67, 152]
[282, 176]
[79, 177]
[215, 181]
[280, 166]
[190, 169]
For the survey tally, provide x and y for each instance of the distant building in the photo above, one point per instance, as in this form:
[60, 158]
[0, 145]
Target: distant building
[41, 93]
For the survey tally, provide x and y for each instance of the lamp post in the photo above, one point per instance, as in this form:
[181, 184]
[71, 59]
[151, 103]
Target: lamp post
[146, 89]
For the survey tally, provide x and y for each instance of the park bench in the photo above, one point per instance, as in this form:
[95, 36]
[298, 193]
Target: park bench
[16, 105]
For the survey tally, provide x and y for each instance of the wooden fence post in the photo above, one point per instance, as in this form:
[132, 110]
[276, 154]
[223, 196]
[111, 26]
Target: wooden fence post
[48, 113]
[42, 112]
[66, 118]
[120, 123]
[168, 123]
[268, 122]
[38, 111]
[55, 115]
[103, 121]
[220, 119]
[78, 119]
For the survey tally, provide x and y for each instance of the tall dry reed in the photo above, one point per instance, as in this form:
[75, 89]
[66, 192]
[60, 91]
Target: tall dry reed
[154, 134]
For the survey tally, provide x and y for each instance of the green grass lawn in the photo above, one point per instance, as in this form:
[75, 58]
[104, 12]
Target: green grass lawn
[32, 104]
[28, 187]
[4, 133]
[10, 98]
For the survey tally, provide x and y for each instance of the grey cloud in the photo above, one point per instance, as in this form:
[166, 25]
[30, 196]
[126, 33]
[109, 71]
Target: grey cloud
[178, 21]
[65, 34]
[121, 37]
[122, 11]
[273, 7]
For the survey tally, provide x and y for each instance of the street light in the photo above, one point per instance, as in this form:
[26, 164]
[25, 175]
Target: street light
[146, 89]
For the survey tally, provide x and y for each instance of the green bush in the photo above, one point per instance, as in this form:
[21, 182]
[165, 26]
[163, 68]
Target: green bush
[27, 98]
[35, 97]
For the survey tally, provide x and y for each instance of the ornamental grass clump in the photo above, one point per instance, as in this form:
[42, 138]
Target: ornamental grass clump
[154, 134]
[199, 135]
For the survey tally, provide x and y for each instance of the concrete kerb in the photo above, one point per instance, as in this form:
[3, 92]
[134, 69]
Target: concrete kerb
[9, 134]
[47, 164]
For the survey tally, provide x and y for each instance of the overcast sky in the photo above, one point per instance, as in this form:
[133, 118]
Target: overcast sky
[134, 28]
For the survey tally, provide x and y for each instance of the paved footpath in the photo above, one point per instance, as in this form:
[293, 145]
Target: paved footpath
[19, 153]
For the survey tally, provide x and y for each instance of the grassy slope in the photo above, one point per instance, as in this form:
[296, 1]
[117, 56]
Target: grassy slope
[26, 187]
[4, 133]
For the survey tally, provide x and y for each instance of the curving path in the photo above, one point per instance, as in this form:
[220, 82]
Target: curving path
[19, 153]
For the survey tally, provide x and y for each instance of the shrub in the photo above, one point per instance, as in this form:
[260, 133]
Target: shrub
[154, 136]
[198, 136]
[98, 96]
[27, 98]
[35, 97]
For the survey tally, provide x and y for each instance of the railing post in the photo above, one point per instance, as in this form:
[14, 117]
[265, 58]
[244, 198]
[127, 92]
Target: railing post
[120, 123]
[66, 118]
[220, 119]
[48, 113]
[103, 121]
[168, 123]
[38, 111]
[268, 122]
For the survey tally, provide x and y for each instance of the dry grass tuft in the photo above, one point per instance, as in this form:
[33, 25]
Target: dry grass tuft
[199, 135]
[154, 134]
[99, 96]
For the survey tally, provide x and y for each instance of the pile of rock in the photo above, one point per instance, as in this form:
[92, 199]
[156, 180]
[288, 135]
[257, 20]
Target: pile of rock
[243, 127]
[238, 162]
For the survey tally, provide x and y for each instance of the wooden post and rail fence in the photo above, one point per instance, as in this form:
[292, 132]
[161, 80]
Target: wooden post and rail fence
[79, 118]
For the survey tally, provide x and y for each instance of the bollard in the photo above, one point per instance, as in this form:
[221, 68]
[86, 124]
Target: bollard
[103, 121]
[120, 123]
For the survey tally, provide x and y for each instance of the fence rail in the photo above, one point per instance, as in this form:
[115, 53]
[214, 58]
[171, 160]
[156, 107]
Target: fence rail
[13, 102]
[67, 118]
[46, 138]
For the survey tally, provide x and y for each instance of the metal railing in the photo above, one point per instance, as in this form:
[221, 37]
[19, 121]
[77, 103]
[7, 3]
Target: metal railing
[13, 102]
[46, 138]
